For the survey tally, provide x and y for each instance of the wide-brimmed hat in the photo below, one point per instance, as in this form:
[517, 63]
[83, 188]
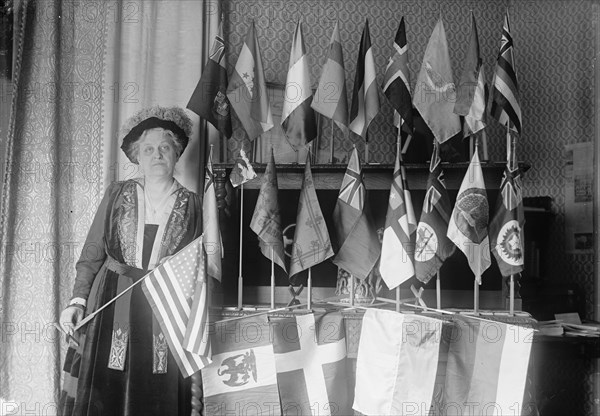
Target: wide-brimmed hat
[169, 118]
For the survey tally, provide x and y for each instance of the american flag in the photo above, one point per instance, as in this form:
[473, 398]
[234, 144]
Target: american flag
[176, 291]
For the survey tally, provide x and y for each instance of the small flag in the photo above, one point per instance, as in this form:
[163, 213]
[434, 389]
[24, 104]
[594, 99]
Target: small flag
[365, 96]
[176, 292]
[396, 81]
[213, 244]
[356, 237]
[397, 363]
[310, 357]
[242, 170]
[435, 92]
[242, 378]
[471, 90]
[247, 89]
[266, 220]
[506, 227]
[209, 99]
[505, 105]
[468, 226]
[433, 247]
[311, 239]
[297, 116]
[397, 250]
[487, 367]
[330, 98]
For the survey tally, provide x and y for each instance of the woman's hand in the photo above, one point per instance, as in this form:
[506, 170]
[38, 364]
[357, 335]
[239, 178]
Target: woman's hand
[70, 317]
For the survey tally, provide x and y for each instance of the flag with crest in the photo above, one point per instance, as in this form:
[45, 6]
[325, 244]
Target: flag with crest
[247, 89]
[432, 246]
[213, 245]
[357, 244]
[242, 170]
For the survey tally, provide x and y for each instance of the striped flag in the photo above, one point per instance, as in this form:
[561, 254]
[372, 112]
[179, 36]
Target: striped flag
[365, 96]
[397, 250]
[242, 378]
[209, 99]
[176, 291]
[297, 116]
[311, 239]
[487, 368]
[356, 237]
[213, 245]
[435, 92]
[397, 363]
[471, 90]
[505, 106]
[432, 246]
[468, 226]
[247, 89]
[396, 81]
[266, 220]
[330, 98]
[506, 227]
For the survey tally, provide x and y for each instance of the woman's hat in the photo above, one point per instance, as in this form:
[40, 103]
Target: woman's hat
[169, 118]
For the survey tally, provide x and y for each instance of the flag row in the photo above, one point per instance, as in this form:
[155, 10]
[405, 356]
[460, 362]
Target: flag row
[438, 99]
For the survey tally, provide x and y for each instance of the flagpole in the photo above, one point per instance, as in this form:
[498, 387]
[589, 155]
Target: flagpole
[484, 145]
[398, 139]
[438, 291]
[272, 280]
[398, 298]
[240, 277]
[366, 152]
[476, 281]
[352, 289]
[512, 295]
[309, 295]
[331, 143]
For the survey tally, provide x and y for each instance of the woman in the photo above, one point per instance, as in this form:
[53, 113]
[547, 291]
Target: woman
[122, 365]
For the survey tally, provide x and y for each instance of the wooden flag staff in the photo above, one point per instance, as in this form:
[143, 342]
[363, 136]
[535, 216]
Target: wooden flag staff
[331, 143]
[309, 294]
[398, 139]
[476, 283]
[272, 279]
[438, 291]
[240, 277]
[511, 161]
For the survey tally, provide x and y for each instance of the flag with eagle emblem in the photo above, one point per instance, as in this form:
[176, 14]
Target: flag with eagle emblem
[506, 228]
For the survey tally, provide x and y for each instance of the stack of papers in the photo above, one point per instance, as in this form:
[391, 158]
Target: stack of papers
[569, 324]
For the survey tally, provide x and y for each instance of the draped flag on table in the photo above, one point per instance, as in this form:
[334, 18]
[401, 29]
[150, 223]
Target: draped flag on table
[209, 99]
[242, 170]
[468, 227]
[330, 98]
[506, 227]
[242, 378]
[310, 358]
[247, 89]
[358, 246]
[435, 92]
[396, 80]
[487, 368]
[397, 363]
[266, 220]
[311, 239]
[176, 291]
[297, 116]
[365, 96]
[505, 106]
[213, 245]
[397, 250]
[471, 90]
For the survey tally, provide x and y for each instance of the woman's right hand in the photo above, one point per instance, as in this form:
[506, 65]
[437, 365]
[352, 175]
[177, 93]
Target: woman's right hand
[70, 317]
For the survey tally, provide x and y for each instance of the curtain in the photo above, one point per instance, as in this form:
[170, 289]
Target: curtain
[81, 69]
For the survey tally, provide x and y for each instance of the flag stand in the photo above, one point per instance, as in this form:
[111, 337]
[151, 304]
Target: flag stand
[272, 279]
[240, 278]
[438, 291]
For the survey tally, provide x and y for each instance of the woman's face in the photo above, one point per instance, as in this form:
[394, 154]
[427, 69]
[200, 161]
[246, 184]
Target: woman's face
[157, 154]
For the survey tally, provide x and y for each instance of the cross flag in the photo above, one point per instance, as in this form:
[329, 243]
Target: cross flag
[298, 117]
[471, 98]
[396, 80]
[242, 170]
[213, 245]
[435, 92]
[433, 247]
[365, 96]
[311, 238]
[505, 105]
[330, 98]
[506, 227]
[209, 99]
[176, 291]
[357, 241]
[242, 378]
[266, 220]
[247, 89]
[310, 357]
[397, 250]
[468, 227]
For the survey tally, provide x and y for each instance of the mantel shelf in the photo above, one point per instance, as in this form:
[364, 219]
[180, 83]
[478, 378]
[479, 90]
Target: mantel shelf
[376, 176]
